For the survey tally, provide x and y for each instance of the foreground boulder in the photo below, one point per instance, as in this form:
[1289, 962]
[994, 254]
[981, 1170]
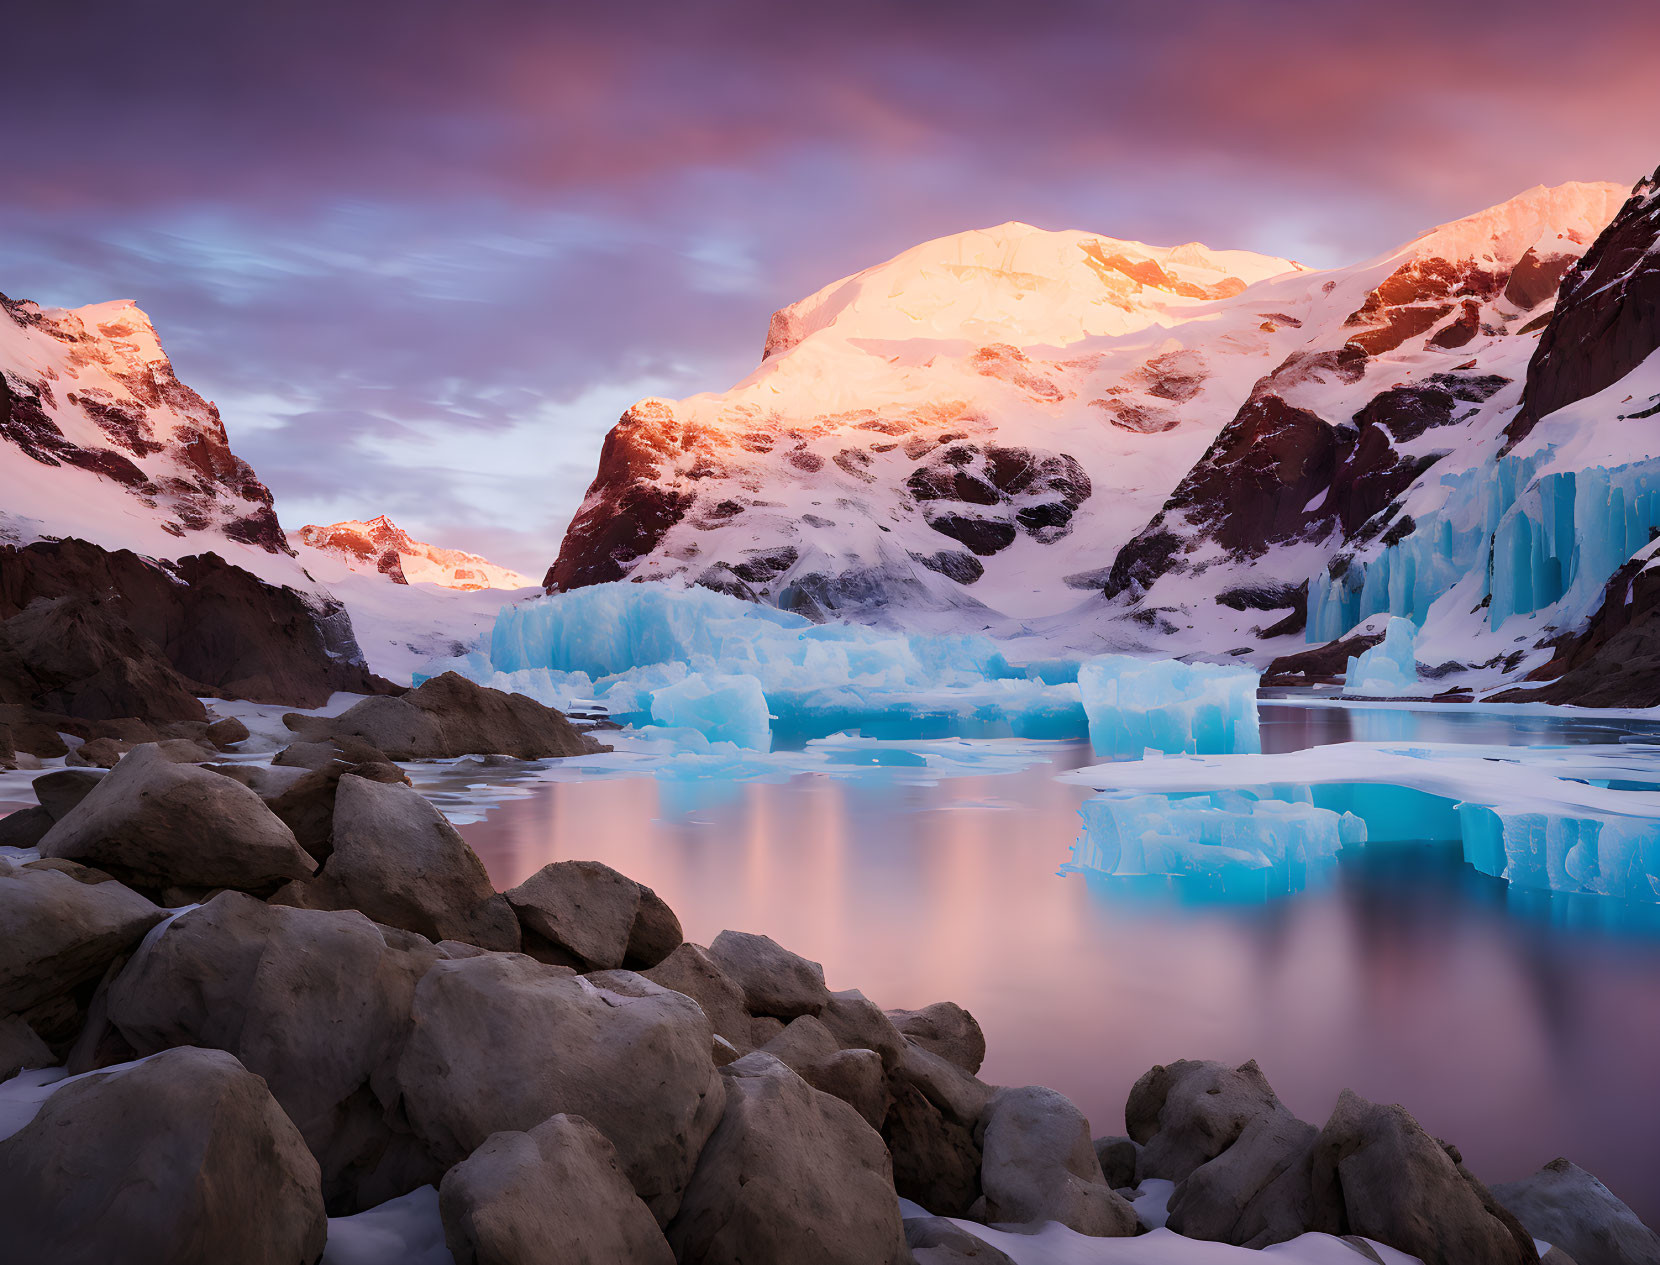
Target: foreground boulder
[316, 1002]
[945, 1029]
[937, 1241]
[395, 858]
[692, 971]
[183, 1159]
[776, 982]
[61, 790]
[554, 1193]
[60, 933]
[158, 824]
[791, 1174]
[1570, 1209]
[930, 1129]
[500, 1042]
[20, 1048]
[585, 915]
[1040, 1165]
[1377, 1174]
[451, 716]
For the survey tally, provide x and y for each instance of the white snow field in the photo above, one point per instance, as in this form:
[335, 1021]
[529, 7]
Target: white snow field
[1578, 819]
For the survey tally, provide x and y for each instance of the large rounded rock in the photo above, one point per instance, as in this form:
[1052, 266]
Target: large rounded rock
[945, 1029]
[936, 1241]
[930, 1130]
[1570, 1209]
[1186, 1113]
[583, 911]
[60, 933]
[860, 1024]
[397, 859]
[182, 1159]
[775, 981]
[1040, 1165]
[691, 971]
[1118, 1155]
[160, 824]
[1376, 1173]
[61, 790]
[656, 932]
[316, 1002]
[451, 716]
[501, 1042]
[553, 1193]
[1256, 1192]
[791, 1174]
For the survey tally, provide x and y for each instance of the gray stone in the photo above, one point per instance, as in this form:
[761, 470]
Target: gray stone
[1117, 1156]
[227, 732]
[1570, 1209]
[775, 981]
[1189, 1112]
[554, 1193]
[316, 1002]
[791, 1174]
[20, 1048]
[1377, 1174]
[62, 789]
[945, 1029]
[860, 1024]
[501, 1042]
[24, 827]
[160, 824]
[691, 971]
[656, 932]
[1255, 1193]
[183, 1159]
[400, 862]
[60, 933]
[1040, 1165]
[930, 1131]
[582, 910]
[936, 1241]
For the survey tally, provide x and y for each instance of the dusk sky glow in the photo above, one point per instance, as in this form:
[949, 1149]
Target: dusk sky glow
[423, 256]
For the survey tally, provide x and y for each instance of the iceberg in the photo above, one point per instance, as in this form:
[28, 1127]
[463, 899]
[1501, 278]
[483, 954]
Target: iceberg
[721, 708]
[1134, 705]
[1388, 669]
[1582, 820]
[1211, 834]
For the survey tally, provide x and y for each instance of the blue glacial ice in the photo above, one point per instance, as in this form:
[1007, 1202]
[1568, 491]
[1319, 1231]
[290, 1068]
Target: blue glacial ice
[689, 659]
[1583, 820]
[1212, 834]
[1389, 669]
[1135, 705]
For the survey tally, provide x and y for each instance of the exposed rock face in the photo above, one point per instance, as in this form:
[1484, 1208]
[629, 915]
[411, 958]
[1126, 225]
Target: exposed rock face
[449, 715]
[777, 1138]
[1570, 1209]
[92, 391]
[1607, 317]
[775, 981]
[182, 1159]
[556, 1192]
[380, 545]
[1040, 1165]
[501, 1042]
[1378, 1175]
[161, 824]
[945, 1029]
[588, 916]
[397, 859]
[102, 634]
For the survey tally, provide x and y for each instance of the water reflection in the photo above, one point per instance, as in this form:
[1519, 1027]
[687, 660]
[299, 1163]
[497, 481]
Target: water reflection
[1519, 1025]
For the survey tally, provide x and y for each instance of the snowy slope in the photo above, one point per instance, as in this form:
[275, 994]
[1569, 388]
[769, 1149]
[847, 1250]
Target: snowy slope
[380, 547]
[966, 424]
[987, 423]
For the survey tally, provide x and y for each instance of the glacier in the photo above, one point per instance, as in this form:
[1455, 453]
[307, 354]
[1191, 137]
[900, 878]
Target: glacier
[1582, 820]
[1164, 705]
[1389, 668]
[674, 657]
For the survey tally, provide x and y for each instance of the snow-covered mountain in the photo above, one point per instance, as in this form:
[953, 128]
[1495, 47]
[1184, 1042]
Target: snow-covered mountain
[382, 547]
[1106, 443]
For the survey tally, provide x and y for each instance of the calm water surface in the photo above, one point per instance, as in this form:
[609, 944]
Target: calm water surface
[1519, 1025]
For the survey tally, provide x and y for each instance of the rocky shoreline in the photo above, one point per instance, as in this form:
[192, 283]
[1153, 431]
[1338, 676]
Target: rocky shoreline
[288, 992]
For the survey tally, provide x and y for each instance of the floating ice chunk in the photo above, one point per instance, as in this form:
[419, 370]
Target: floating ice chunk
[721, 708]
[1389, 668]
[1210, 833]
[1133, 704]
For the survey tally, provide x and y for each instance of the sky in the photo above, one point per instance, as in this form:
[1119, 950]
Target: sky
[424, 254]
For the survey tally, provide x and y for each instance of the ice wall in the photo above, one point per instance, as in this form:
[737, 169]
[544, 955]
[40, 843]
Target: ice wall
[1138, 704]
[1389, 668]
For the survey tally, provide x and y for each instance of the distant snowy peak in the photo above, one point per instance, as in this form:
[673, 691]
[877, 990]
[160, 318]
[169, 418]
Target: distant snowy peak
[381, 545]
[100, 439]
[1017, 283]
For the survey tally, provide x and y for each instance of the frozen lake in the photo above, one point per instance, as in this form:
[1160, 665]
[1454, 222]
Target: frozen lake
[1520, 1025]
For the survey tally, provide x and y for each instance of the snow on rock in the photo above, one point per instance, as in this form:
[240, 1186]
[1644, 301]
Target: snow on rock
[382, 547]
[1162, 704]
[1389, 668]
[1582, 819]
